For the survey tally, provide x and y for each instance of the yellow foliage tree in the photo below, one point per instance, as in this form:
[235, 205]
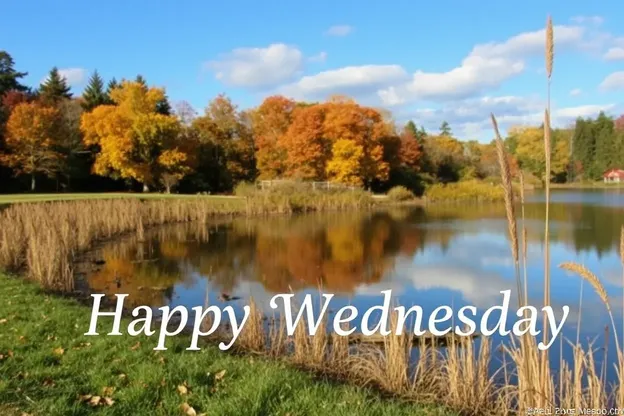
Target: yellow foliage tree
[32, 136]
[346, 162]
[134, 140]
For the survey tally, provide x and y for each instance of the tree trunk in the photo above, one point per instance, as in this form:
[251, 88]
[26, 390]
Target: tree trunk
[168, 187]
[145, 188]
[32, 182]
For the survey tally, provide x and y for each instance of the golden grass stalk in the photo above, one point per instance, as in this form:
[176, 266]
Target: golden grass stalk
[600, 290]
[550, 47]
[503, 162]
[252, 337]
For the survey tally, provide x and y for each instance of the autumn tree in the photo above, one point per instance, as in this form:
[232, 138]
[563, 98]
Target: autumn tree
[94, 93]
[346, 120]
[32, 134]
[346, 162]
[446, 157]
[227, 149]
[270, 122]
[54, 88]
[135, 141]
[307, 147]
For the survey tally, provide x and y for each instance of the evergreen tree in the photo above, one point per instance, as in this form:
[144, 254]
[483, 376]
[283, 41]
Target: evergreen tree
[163, 107]
[445, 129]
[605, 144]
[112, 84]
[9, 77]
[94, 94]
[54, 88]
[584, 147]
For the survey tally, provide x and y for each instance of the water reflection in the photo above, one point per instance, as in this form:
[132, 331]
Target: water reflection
[439, 255]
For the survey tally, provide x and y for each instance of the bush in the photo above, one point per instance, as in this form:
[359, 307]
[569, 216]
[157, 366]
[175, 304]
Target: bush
[400, 193]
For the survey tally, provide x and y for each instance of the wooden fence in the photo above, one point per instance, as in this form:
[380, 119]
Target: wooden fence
[315, 186]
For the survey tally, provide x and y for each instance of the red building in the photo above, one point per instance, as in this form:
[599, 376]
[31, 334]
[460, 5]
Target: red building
[613, 176]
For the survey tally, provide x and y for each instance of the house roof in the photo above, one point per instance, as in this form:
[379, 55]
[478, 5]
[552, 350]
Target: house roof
[614, 173]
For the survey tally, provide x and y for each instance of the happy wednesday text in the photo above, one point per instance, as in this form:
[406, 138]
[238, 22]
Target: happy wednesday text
[439, 322]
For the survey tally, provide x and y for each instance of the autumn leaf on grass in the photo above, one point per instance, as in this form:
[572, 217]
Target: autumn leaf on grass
[3, 321]
[108, 391]
[59, 351]
[188, 410]
[183, 389]
[48, 382]
[219, 376]
[136, 346]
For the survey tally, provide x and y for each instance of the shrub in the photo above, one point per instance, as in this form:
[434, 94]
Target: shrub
[245, 189]
[400, 193]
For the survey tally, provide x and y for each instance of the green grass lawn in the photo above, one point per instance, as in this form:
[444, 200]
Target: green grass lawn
[13, 198]
[48, 367]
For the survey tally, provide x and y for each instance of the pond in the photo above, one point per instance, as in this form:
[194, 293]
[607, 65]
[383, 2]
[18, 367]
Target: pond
[430, 256]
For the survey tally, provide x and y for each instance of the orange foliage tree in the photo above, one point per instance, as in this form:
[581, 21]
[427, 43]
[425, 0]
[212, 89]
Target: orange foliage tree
[271, 120]
[134, 140]
[307, 147]
[31, 143]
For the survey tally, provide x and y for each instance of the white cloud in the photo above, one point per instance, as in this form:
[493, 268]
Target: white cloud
[487, 66]
[351, 80]
[575, 92]
[613, 81]
[469, 118]
[258, 67]
[339, 30]
[614, 54]
[73, 76]
[320, 57]
[594, 20]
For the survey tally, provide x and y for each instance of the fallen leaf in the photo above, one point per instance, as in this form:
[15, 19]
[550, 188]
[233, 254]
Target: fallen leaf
[59, 351]
[85, 397]
[136, 346]
[107, 391]
[108, 401]
[218, 376]
[48, 382]
[122, 376]
[95, 401]
[182, 389]
[161, 360]
[3, 321]
[188, 410]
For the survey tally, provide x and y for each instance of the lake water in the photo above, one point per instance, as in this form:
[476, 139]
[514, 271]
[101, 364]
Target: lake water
[442, 255]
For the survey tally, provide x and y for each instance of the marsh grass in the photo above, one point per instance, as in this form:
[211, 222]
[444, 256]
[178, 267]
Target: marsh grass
[43, 239]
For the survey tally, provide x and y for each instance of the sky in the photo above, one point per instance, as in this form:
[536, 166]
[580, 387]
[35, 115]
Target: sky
[426, 61]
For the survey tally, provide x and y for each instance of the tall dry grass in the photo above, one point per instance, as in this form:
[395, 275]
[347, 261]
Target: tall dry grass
[43, 239]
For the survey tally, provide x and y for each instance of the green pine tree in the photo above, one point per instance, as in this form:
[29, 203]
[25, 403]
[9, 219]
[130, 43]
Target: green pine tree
[445, 129]
[584, 148]
[94, 94]
[112, 84]
[604, 134]
[9, 77]
[54, 88]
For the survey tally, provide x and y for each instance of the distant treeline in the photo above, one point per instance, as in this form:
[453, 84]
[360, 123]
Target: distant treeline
[126, 135]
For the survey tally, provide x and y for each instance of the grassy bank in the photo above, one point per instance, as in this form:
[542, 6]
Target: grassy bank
[47, 367]
[15, 198]
[587, 185]
[465, 191]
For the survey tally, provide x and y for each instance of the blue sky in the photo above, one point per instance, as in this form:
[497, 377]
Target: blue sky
[427, 61]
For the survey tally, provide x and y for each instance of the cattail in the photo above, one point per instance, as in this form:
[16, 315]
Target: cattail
[508, 190]
[550, 47]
